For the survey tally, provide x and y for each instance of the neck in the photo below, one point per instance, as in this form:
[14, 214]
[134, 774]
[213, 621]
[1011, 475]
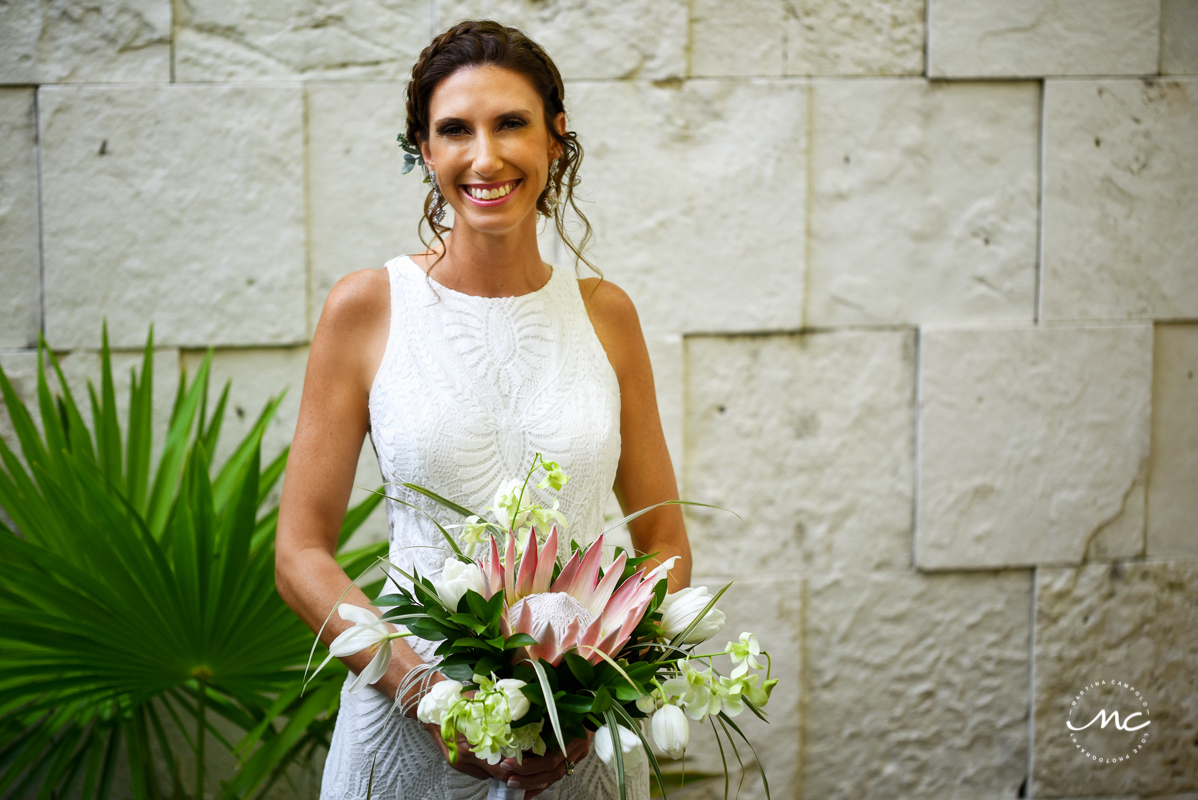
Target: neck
[491, 264]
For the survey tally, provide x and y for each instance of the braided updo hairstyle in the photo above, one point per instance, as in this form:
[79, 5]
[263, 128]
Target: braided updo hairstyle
[477, 43]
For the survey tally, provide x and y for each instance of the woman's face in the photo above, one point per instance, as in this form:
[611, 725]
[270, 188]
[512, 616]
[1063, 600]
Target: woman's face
[489, 146]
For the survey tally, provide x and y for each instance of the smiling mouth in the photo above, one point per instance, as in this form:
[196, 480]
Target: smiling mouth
[489, 192]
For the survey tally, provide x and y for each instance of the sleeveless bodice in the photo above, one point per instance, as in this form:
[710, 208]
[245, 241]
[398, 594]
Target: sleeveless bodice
[469, 390]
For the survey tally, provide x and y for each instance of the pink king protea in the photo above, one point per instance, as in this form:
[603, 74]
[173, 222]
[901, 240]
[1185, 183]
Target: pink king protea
[581, 611]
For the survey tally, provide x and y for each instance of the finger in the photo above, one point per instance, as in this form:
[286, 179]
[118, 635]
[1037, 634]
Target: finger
[533, 764]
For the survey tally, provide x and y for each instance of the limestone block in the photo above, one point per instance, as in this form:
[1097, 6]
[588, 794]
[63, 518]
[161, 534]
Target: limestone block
[667, 354]
[925, 201]
[916, 685]
[280, 40]
[1173, 468]
[20, 267]
[771, 609]
[616, 39]
[257, 375]
[178, 205]
[841, 37]
[1033, 445]
[1121, 623]
[363, 212]
[809, 438]
[57, 42]
[698, 215]
[1120, 200]
[1179, 37]
[82, 366]
[1030, 38]
[740, 39]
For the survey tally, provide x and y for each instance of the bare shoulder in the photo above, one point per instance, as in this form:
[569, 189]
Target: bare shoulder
[607, 302]
[352, 331]
[616, 323]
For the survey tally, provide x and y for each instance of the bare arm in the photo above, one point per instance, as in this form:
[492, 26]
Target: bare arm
[645, 475]
[333, 420]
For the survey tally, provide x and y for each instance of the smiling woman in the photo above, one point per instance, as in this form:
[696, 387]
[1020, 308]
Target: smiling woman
[461, 381]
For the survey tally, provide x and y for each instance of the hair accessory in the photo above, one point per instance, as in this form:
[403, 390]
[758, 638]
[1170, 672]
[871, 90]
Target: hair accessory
[411, 156]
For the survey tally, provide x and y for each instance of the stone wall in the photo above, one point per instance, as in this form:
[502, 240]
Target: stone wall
[920, 282]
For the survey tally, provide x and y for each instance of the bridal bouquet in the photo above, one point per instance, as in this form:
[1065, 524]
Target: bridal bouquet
[541, 651]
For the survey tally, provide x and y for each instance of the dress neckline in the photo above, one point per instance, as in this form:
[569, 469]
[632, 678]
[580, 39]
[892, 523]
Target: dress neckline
[418, 272]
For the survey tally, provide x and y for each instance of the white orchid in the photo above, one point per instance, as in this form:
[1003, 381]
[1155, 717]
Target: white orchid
[458, 577]
[681, 608]
[670, 730]
[694, 690]
[744, 654]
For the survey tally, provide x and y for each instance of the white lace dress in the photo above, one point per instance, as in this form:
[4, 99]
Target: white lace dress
[468, 391]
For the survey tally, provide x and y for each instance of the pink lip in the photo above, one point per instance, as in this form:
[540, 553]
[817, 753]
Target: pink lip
[497, 201]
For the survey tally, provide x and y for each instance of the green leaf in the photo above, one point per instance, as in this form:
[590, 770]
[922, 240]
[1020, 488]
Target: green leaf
[582, 669]
[452, 506]
[519, 640]
[550, 706]
[613, 728]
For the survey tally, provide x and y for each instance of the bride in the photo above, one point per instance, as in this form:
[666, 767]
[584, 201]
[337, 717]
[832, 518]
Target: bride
[462, 363]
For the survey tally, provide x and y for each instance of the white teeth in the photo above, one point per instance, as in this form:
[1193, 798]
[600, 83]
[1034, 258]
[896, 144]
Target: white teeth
[490, 194]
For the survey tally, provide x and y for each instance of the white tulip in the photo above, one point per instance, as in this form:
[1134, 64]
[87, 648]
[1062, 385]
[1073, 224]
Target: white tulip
[516, 700]
[670, 730]
[680, 609]
[630, 743]
[439, 699]
[457, 578]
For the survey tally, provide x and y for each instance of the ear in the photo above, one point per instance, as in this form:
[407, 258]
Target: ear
[559, 123]
[425, 153]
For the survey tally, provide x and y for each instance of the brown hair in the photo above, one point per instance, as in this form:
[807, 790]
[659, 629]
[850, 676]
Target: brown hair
[476, 43]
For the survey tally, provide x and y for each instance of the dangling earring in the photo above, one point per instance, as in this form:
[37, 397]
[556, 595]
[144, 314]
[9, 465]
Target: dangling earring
[551, 195]
[438, 211]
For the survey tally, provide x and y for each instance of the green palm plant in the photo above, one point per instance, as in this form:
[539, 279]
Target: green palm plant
[134, 600]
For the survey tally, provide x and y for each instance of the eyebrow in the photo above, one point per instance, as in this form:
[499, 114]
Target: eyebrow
[519, 113]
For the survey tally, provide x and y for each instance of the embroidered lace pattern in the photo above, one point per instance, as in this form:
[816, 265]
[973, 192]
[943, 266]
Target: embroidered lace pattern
[468, 391]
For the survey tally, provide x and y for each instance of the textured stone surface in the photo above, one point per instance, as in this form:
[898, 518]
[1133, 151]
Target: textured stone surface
[20, 267]
[771, 610]
[1029, 38]
[924, 202]
[257, 375]
[1033, 445]
[916, 685]
[1120, 200]
[276, 39]
[1173, 468]
[54, 42]
[362, 211]
[180, 205]
[810, 439]
[667, 353]
[745, 38]
[616, 39]
[702, 235]
[1132, 623]
[807, 37]
[1179, 37]
[81, 366]
[841, 37]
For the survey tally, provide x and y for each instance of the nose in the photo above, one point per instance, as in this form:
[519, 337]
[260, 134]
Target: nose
[487, 158]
